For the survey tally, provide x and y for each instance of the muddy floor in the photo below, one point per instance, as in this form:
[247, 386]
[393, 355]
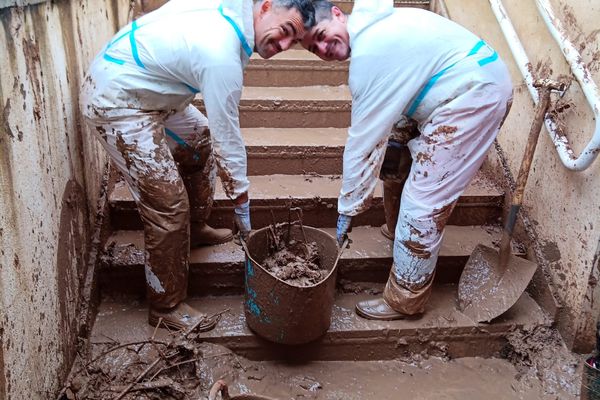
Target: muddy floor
[536, 366]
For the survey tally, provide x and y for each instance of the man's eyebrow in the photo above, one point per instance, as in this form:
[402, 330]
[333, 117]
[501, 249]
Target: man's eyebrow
[293, 28]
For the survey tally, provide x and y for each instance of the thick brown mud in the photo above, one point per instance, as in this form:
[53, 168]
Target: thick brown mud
[432, 378]
[295, 262]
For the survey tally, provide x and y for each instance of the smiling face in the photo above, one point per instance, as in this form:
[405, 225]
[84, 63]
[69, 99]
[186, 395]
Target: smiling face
[276, 28]
[329, 39]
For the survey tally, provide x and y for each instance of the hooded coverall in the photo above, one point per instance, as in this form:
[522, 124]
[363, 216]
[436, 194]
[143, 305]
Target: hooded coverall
[136, 98]
[414, 63]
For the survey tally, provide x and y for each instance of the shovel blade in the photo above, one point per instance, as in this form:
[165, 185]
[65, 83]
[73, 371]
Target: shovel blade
[485, 290]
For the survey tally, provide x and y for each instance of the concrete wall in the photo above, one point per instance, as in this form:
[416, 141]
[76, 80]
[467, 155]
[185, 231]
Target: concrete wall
[563, 206]
[50, 174]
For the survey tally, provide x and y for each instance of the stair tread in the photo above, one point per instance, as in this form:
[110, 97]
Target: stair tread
[368, 243]
[127, 322]
[264, 187]
[296, 137]
[301, 93]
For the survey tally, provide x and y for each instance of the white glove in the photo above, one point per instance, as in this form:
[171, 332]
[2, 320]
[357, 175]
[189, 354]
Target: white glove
[241, 216]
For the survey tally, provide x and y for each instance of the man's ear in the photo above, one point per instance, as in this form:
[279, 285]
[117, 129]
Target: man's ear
[336, 12]
[266, 6]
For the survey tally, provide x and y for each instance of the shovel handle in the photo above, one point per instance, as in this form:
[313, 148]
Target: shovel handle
[545, 88]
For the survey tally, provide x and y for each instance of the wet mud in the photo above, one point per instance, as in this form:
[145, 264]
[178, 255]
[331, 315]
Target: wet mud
[294, 262]
[419, 378]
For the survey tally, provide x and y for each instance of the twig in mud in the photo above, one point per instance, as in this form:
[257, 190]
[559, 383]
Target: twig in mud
[119, 347]
[193, 360]
[183, 335]
[158, 384]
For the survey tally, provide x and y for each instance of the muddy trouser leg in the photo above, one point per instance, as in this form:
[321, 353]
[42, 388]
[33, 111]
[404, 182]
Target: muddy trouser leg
[189, 139]
[394, 172]
[452, 146]
[136, 143]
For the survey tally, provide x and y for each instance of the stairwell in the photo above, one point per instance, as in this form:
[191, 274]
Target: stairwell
[294, 111]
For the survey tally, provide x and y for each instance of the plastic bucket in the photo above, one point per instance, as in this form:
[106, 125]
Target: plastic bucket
[590, 381]
[278, 311]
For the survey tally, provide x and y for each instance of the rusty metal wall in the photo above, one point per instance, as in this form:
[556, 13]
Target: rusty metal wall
[50, 170]
[563, 206]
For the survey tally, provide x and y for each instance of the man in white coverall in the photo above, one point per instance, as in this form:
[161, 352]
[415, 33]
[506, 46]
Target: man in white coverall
[136, 98]
[411, 63]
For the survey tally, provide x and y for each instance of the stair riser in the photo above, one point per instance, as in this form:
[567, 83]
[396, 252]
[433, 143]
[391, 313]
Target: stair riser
[211, 279]
[319, 213]
[440, 343]
[294, 161]
[291, 113]
[285, 74]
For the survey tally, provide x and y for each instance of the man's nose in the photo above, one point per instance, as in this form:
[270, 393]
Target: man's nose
[286, 43]
[322, 48]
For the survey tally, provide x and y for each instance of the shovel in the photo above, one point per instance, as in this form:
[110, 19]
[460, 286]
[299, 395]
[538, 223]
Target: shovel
[493, 281]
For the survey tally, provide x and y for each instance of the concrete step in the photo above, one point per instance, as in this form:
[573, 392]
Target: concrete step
[293, 107]
[292, 68]
[317, 195]
[295, 151]
[442, 331]
[220, 269]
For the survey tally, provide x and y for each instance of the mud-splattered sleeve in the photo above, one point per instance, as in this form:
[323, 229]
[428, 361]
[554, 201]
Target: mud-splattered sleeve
[221, 84]
[375, 108]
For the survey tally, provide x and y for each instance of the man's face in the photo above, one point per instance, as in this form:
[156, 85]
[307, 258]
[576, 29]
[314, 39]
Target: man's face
[329, 39]
[276, 29]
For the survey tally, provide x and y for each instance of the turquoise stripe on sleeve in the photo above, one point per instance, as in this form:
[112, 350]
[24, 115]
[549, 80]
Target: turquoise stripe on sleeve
[134, 49]
[239, 33]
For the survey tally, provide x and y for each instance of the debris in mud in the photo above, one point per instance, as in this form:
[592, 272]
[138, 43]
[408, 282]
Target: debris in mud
[540, 355]
[145, 370]
[294, 262]
[294, 266]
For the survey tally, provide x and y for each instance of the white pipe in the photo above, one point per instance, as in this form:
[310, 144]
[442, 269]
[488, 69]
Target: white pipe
[563, 147]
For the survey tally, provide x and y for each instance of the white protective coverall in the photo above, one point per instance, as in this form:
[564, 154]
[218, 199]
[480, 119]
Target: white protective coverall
[414, 63]
[136, 98]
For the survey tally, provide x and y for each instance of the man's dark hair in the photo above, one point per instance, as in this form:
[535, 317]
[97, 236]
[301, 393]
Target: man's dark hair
[304, 7]
[322, 10]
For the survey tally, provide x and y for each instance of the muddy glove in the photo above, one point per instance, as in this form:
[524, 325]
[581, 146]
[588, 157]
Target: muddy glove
[344, 225]
[241, 216]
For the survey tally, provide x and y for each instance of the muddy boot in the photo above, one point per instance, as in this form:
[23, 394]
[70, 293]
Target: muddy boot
[204, 235]
[392, 192]
[182, 316]
[380, 310]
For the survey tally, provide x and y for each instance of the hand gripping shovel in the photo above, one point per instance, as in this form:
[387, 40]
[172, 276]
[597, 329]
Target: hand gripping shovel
[493, 281]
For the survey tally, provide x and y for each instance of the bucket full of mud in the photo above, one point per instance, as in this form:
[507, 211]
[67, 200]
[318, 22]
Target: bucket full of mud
[290, 282]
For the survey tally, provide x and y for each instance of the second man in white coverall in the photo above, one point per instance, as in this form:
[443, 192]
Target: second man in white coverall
[407, 62]
[136, 98]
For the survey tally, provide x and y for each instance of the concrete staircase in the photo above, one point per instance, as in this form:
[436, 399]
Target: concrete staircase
[295, 133]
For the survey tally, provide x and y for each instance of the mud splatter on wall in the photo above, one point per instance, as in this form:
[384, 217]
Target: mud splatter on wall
[50, 175]
[564, 206]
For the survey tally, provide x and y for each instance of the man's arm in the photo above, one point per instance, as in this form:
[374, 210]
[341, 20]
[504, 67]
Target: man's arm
[221, 85]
